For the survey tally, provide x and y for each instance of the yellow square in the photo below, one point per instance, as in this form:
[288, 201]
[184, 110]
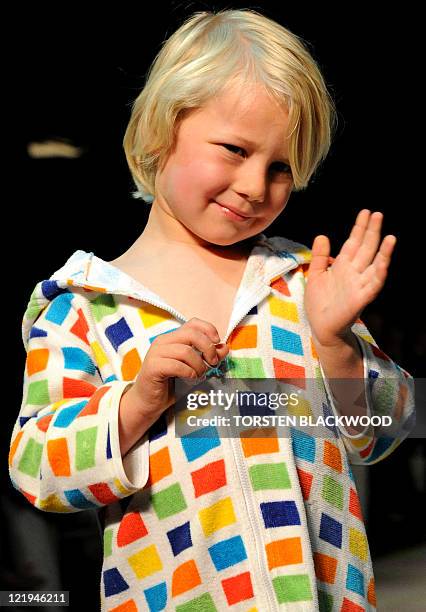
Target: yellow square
[358, 544]
[146, 562]
[217, 516]
[283, 309]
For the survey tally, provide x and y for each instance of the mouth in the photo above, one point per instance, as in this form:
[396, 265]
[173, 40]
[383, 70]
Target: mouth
[233, 213]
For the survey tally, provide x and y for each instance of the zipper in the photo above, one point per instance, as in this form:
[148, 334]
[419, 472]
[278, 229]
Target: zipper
[257, 530]
[251, 506]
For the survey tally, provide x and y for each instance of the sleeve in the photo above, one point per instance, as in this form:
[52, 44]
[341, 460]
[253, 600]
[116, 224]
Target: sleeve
[65, 451]
[389, 391]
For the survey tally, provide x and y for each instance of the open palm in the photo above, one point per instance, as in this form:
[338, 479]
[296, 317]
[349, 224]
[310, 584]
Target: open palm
[335, 296]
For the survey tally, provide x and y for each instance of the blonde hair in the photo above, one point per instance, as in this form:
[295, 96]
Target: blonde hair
[199, 60]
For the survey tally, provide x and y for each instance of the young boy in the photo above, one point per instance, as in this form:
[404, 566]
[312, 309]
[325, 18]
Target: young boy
[233, 117]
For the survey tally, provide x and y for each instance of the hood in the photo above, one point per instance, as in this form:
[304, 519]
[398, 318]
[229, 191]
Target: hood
[84, 269]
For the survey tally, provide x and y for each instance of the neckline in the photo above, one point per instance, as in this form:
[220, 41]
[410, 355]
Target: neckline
[253, 271]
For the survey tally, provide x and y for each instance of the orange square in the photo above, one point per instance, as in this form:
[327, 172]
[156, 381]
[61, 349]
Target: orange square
[37, 360]
[332, 456]
[159, 465]
[280, 285]
[185, 578]
[325, 567]
[257, 445]
[313, 350]
[371, 593]
[244, 336]
[284, 552]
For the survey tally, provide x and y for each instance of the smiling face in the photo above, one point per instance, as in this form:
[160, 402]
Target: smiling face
[232, 152]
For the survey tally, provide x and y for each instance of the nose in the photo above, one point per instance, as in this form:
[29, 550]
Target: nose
[251, 183]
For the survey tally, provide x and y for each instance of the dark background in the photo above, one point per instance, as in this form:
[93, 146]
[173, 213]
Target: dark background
[73, 75]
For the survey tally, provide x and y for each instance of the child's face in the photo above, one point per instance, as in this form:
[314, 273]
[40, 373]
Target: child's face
[201, 171]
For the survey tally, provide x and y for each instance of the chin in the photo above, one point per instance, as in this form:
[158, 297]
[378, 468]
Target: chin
[231, 242]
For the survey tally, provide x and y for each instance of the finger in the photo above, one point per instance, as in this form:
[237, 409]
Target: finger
[320, 255]
[206, 327]
[370, 243]
[171, 368]
[202, 345]
[185, 354]
[352, 244]
[376, 273]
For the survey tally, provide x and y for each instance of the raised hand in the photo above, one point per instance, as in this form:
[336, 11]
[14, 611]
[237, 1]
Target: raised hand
[335, 296]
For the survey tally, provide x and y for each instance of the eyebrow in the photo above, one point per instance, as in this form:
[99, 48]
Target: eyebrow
[253, 144]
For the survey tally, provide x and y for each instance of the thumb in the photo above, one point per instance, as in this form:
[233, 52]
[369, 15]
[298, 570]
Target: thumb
[320, 255]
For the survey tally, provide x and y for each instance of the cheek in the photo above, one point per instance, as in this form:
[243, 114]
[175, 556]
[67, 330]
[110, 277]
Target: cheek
[194, 176]
[278, 201]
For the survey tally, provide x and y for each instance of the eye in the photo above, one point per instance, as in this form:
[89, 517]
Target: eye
[229, 146]
[280, 166]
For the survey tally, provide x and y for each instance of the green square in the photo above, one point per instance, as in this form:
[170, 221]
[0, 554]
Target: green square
[103, 306]
[246, 367]
[204, 603]
[384, 396]
[325, 601]
[38, 393]
[292, 588]
[169, 501]
[107, 542]
[270, 476]
[31, 458]
[85, 448]
[34, 308]
[332, 492]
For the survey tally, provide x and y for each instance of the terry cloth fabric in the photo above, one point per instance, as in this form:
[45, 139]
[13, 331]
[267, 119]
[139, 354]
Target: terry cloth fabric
[199, 524]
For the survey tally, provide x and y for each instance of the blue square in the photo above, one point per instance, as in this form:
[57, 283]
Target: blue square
[285, 340]
[280, 513]
[67, 415]
[355, 580]
[76, 498]
[156, 597]
[50, 289]
[37, 332]
[380, 447]
[118, 333]
[331, 530]
[195, 446]
[59, 308]
[303, 445]
[114, 582]
[180, 538]
[77, 359]
[328, 412]
[228, 552]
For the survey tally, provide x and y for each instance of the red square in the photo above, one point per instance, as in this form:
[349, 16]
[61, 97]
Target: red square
[354, 505]
[350, 606]
[305, 479]
[209, 478]
[238, 588]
